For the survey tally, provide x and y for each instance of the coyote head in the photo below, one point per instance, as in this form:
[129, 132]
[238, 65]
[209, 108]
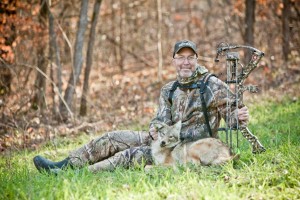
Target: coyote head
[168, 136]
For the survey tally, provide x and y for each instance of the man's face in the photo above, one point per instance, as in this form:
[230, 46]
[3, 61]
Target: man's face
[185, 62]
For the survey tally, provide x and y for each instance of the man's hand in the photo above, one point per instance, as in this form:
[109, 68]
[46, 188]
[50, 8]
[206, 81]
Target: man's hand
[243, 115]
[153, 133]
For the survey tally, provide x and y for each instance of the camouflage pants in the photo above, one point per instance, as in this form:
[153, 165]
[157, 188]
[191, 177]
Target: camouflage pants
[117, 148]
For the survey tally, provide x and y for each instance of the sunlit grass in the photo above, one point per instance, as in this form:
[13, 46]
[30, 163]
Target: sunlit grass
[271, 175]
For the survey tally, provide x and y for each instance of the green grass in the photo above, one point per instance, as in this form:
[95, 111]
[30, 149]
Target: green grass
[274, 174]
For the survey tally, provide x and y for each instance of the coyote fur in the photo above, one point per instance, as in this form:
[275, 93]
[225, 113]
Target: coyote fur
[169, 150]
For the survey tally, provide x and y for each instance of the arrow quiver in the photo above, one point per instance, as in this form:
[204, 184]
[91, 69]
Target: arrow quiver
[236, 76]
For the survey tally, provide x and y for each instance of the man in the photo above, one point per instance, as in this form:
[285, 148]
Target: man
[179, 100]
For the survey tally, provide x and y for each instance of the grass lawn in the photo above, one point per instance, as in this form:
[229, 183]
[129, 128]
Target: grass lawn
[274, 174]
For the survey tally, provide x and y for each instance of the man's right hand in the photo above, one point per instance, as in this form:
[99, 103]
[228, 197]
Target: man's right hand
[153, 133]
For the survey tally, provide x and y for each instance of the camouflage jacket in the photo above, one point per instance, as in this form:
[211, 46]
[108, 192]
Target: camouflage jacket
[186, 106]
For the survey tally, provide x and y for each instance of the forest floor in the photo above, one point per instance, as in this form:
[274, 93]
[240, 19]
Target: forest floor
[119, 101]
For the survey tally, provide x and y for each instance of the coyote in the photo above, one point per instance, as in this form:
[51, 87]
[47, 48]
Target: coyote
[169, 150]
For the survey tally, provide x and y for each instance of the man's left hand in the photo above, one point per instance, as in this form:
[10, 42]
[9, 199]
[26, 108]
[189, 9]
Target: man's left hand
[243, 115]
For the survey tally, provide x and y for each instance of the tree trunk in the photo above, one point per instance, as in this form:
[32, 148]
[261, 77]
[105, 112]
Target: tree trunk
[190, 17]
[286, 29]
[89, 59]
[38, 101]
[54, 57]
[52, 39]
[249, 29]
[159, 46]
[121, 22]
[114, 33]
[77, 63]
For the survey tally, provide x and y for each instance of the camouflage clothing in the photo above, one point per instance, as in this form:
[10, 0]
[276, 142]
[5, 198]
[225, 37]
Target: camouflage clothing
[123, 148]
[126, 158]
[186, 106]
[117, 148]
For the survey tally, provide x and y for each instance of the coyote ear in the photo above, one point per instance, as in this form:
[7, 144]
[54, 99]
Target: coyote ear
[177, 127]
[159, 125]
[178, 124]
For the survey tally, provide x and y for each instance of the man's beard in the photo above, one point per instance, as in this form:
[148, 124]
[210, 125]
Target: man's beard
[189, 79]
[185, 73]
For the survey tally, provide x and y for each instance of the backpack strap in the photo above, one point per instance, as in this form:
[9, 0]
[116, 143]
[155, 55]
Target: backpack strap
[203, 85]
[173, 88]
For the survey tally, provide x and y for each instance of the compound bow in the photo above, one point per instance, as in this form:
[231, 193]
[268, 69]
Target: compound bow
[237, 75]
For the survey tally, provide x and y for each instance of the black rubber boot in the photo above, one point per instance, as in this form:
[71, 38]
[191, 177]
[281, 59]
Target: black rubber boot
[42, 164]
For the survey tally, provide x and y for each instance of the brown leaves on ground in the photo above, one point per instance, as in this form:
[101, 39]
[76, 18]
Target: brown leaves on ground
[116, 101]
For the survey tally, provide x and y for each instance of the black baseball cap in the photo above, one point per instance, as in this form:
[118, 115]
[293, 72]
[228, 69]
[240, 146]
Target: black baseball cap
[184, 44]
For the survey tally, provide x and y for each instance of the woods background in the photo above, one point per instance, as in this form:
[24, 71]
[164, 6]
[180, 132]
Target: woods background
[72, 66]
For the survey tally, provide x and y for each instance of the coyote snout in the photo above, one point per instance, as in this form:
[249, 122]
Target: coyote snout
[169, 150]
[162, 143]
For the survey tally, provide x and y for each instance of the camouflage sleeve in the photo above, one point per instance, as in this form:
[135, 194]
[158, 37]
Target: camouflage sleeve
[163, 113]
[223, 95]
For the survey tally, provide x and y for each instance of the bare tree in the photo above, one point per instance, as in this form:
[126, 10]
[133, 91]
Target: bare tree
[38, 101]
[54, 57]
[78, 59]
[249, 29]
[286, 29]
[121, 35]
[89, 59]
[159, 46]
